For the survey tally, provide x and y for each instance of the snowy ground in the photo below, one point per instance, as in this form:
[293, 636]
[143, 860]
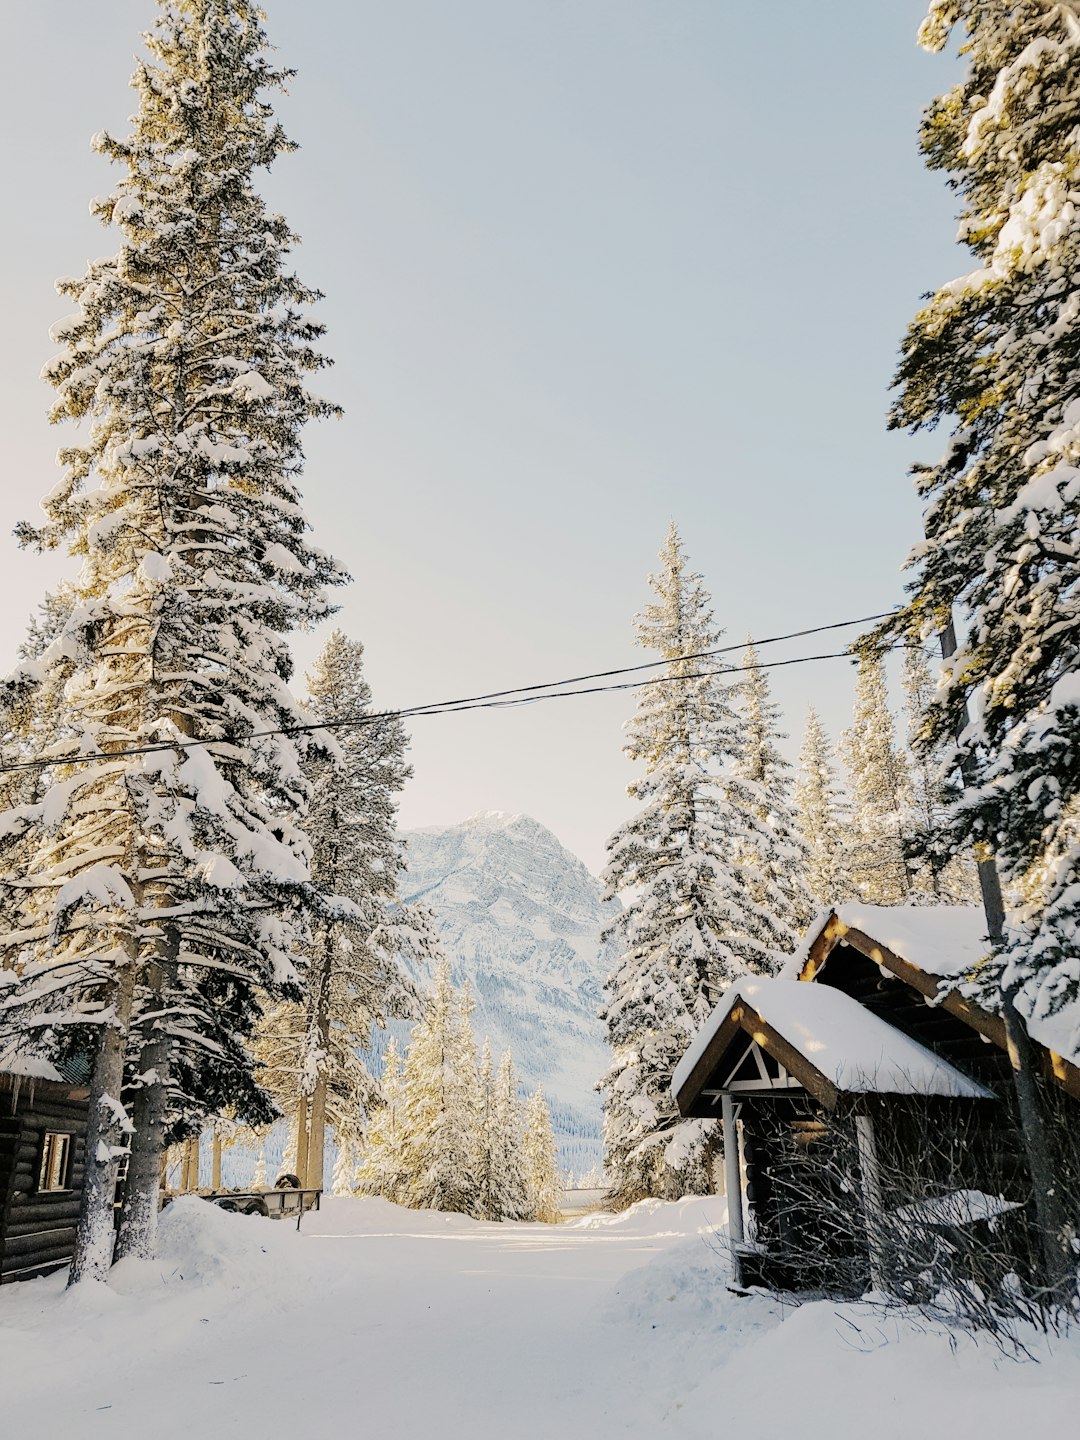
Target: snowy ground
[385, 1322]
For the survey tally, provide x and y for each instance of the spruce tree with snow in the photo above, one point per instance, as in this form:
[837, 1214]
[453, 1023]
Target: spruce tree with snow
[878, 784]
[691, 923]
[993, 355]
[777, 857]
[819, 806]
[506, 1156]
[542, 1184]
[354, 977]
[164, 890]
[385, 1164]
[442, 1103]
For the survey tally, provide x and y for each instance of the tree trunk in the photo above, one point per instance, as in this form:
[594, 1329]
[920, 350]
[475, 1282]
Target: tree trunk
[313, 1180]
[142, 1193]
[139, 1213]
[302, 1138]
[95, 1236]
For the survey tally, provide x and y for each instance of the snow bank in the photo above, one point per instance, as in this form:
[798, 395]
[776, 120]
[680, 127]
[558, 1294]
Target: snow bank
[696, 1215]
[832, 1371]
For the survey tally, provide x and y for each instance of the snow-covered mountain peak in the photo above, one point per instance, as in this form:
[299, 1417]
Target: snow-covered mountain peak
[521, 918]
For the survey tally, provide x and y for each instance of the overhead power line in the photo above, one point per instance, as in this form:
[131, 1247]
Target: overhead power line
[492, 700]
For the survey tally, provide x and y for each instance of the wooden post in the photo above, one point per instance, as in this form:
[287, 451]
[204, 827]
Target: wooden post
[215, 1174]
[873, 1200]
[302, 1138]
[191, 1163]
[732, 1182]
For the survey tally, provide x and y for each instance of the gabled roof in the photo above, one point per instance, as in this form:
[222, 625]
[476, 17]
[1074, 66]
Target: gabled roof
[928, 947]
[826, 1040]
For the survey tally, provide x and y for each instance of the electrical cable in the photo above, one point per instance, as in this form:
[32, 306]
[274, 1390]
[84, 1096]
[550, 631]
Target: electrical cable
[492, 700]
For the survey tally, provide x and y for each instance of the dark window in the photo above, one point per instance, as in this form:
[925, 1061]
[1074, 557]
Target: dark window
[55, 1162]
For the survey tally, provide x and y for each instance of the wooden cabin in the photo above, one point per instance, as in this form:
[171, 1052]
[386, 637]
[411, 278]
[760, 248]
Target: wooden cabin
[43, 1120]
[860, 1088]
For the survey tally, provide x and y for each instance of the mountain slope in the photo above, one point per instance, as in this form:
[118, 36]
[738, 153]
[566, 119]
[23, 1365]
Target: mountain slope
[520, 918]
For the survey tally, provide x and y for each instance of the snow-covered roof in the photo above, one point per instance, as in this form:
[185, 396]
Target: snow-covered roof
[946, 942]
[28, 1067]
[853, 1048]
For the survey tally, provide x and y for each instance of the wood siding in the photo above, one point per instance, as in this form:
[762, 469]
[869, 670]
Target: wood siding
[37, 1229]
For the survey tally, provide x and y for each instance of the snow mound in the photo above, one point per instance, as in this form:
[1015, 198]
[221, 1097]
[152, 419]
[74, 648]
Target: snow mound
[684, 1291]
[694, 1215]
[200, 1244]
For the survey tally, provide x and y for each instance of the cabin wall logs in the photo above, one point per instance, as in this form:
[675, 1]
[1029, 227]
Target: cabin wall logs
[37, 1228]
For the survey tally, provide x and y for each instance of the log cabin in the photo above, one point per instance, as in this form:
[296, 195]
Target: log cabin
[859, 1088]
[43, 1117]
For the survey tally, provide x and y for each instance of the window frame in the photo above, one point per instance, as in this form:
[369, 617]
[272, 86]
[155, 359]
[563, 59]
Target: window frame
[53, 1178]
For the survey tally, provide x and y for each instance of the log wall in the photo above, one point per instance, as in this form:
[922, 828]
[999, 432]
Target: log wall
[37, 1229]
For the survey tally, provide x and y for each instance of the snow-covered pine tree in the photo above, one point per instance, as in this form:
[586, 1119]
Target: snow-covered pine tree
[819, 806]
[442, 1103]
[939, 874]
[164, 888]
[993, 356]
[690, 923]
[777, 856]
[878, 784]
[385, 1164]
[507, 1160]
[542, 1185]
[354, 978]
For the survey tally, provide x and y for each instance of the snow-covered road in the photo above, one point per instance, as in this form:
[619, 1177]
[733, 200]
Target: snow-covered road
[383, 1322]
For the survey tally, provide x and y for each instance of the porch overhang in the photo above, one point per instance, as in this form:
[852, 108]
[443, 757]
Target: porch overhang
[817, 1039]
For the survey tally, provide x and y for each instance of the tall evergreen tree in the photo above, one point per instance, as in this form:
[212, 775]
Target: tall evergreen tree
[162, 890]
[778, 858]
[878, 782]
[385, 1163]
[311, 1051]
[542, 1184]
[691, 923]
[818, 803]
[507, 1160]
[993, 356]
[442, 1103]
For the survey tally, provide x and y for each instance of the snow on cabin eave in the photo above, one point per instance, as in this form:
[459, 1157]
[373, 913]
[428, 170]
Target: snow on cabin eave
[855, 1050]
[29, 1067]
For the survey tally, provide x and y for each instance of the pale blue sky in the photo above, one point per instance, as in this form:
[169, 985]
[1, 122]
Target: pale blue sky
[588, 264]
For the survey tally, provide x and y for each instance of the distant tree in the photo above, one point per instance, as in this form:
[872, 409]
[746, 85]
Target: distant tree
[777, 854]
[690, 923]
[442, 1103]
[312, 1050]
[385, 1164]
[879, 786]
[510, 1199]
[542, 1185]
[818, 803]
